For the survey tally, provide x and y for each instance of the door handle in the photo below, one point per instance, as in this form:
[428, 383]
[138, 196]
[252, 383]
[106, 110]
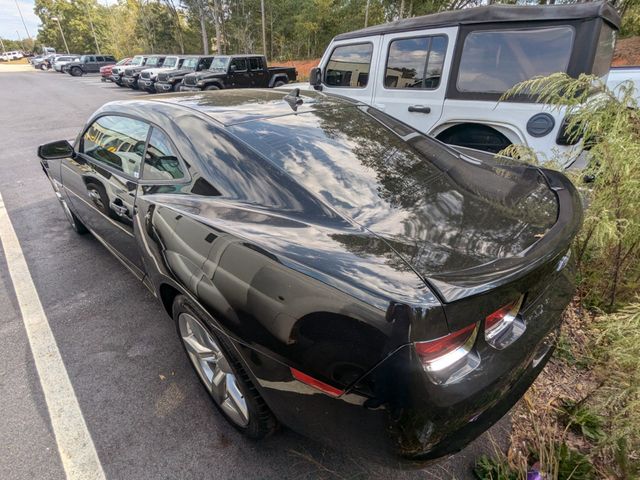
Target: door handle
[120, 210]
[419, 109]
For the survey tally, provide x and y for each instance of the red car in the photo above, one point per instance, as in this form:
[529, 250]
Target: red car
[105, 72]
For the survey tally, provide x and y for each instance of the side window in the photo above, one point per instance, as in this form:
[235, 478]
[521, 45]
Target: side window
[493, 61]
[91, 59]
[117, 142]
[99, 59]
[256, 63]
[161, 161]
[349, 66]
[205, 63]
[240, 64]
[415, 62]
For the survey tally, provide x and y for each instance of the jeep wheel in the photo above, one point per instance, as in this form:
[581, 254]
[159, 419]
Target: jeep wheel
[43, 66]
[279, 83]
[212, 87]
[76, 72]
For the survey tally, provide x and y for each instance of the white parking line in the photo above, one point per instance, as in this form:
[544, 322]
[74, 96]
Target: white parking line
[77, 451]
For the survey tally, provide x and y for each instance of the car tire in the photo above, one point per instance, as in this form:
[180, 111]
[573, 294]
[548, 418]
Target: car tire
[279, 83]
[75, 222]
[212, 87]
[76, 72]
[212, 357]
[43, 67]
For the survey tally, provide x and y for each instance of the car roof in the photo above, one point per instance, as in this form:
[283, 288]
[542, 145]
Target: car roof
[240, 55]
[494, 14]
[234, 106]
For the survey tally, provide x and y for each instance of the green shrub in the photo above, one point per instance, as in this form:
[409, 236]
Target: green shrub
[608, 248]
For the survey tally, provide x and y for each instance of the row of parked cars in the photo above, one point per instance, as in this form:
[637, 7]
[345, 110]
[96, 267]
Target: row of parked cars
[73, 64]
[13, 55]
[171, 73]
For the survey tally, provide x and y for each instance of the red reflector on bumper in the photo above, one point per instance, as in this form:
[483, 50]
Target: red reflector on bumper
[315, 383]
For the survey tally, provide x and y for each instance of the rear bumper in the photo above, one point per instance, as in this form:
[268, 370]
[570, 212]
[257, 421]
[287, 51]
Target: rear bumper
[396, 416]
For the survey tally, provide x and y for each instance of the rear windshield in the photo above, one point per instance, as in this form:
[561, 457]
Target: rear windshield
[493, 61]
[349, 159]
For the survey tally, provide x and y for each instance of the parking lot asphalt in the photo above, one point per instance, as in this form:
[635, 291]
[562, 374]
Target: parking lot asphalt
[142, 404]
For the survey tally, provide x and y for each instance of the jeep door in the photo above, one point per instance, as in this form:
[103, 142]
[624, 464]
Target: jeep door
[90, 64]
[412, 75]
[239, 76]
[259, 74]
[102, 179]
[347, 68]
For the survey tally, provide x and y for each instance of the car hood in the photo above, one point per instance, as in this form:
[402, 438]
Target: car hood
[156, 70]
[207, 74]
[132, 70]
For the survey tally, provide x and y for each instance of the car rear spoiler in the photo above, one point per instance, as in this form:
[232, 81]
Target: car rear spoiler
[461, 284]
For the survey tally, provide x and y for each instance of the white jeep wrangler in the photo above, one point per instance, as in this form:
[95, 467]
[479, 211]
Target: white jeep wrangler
[444, 73]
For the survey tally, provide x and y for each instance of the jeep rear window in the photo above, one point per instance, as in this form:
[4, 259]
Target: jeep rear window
[493, 61]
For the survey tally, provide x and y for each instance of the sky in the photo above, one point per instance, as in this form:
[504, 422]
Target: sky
[10, 19]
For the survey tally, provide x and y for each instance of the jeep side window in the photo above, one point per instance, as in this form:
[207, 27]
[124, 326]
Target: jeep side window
[349, 66]
[415, 62]
[493, 61]
[240, 64]
[99, 59]
[256, 63]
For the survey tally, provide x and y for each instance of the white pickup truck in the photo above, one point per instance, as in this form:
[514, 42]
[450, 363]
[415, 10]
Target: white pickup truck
[619, 75]
[445, 73]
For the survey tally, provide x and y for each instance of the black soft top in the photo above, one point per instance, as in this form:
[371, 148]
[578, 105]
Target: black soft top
[495, 14]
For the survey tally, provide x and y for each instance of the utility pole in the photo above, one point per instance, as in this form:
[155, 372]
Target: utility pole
[366, 14]
[93, 31]
[56, 19]
[23, 24]
[21, 42]
[264, 31]
[2, 44]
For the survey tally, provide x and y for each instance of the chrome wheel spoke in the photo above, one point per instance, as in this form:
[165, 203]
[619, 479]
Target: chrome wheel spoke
[213, 368]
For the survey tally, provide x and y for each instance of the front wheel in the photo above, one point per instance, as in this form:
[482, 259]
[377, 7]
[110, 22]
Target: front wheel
[76, 72]
[76, 224]
[222, 374]
[212, 87]
[279, 83]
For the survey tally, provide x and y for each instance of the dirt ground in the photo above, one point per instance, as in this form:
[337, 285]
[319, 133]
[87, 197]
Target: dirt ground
[627, 52]
[302, 66]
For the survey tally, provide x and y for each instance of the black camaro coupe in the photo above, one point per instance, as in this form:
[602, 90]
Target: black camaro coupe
[328, 267]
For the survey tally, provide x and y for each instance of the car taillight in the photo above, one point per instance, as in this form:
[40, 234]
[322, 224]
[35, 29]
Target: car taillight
[503, 326]
[444, 352]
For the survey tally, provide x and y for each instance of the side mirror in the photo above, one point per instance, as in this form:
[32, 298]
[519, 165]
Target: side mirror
[232, 68]
[315, 78]
[55, 150]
